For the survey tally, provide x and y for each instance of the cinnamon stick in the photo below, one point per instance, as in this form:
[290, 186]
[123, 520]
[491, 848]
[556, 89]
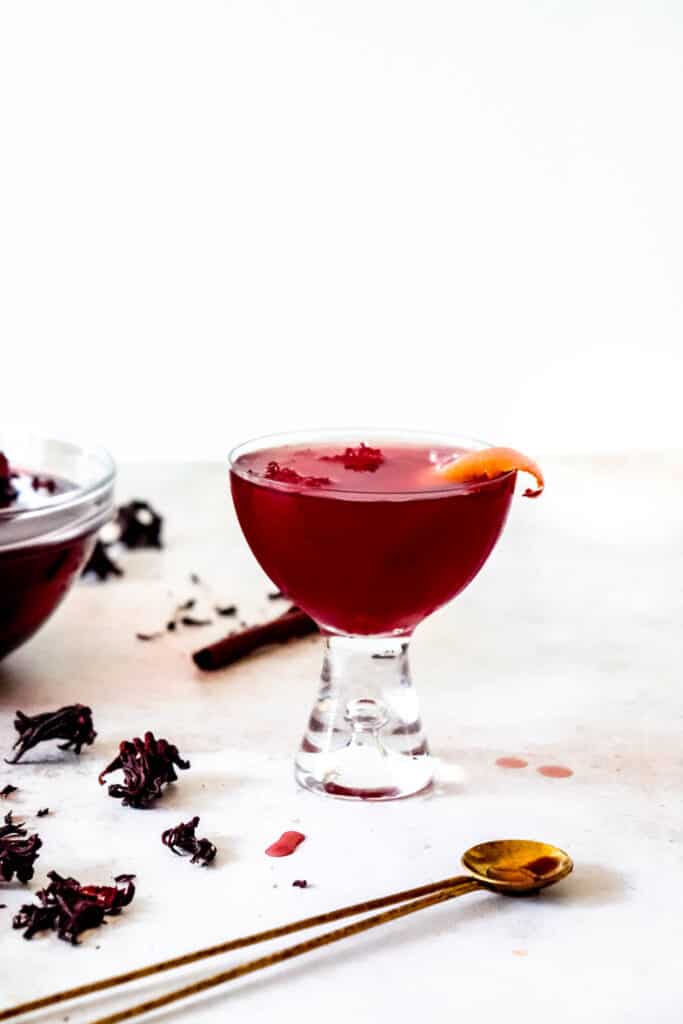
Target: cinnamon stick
[292, 623]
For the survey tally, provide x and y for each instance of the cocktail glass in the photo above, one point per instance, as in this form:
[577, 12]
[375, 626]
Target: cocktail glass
[368, 553]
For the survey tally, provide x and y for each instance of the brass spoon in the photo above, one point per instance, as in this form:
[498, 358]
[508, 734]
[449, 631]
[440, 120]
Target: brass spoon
[511, 866]
[517, 867]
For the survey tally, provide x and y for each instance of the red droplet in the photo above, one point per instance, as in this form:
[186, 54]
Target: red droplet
[511, 762]
[555, 771]
[542, 865]
[286, 844]
[105, 895]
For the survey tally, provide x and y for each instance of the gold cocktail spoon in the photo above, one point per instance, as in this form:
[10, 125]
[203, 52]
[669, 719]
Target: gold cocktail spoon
[514, 867]
[517, 867]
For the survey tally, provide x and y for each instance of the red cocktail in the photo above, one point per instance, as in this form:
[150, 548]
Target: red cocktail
[369, 538]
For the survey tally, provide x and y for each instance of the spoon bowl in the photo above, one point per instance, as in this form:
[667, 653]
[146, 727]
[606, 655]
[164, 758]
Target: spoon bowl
[517, 866]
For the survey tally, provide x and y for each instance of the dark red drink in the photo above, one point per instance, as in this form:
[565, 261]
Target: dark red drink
[367, 540]
[33, 584]
[34, 577]
[54, 497]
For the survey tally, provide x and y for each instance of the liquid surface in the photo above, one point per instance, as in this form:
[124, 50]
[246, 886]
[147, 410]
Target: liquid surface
[34, 491]
[358, 469]
[372, 550]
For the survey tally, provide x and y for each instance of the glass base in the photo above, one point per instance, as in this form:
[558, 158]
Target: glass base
[364, 739]
[340, 782]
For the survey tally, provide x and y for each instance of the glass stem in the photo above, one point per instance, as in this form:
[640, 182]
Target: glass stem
[364, 737]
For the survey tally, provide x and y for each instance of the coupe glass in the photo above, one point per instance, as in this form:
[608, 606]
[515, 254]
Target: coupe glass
[368, 565]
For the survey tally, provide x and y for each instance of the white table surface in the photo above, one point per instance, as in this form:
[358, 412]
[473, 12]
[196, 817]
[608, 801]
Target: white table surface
[566, 650]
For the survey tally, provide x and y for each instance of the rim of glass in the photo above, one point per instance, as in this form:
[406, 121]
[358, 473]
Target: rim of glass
[285, 438]
[71, 498]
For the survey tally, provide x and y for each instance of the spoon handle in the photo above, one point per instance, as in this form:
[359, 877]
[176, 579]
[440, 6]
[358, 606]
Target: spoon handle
[231, 945]
[184, 960]
[459, 889]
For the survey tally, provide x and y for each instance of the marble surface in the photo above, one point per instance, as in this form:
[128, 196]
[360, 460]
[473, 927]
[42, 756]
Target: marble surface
[566, 650]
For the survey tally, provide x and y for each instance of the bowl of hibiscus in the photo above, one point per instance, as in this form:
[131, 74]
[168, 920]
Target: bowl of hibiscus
[54, 497]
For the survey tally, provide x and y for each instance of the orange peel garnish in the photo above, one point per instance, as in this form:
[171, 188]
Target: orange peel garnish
[490, 463]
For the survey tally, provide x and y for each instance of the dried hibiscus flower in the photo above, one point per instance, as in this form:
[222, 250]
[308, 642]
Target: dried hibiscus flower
[101, 564]
[286, 475]
[72, 723]
[139, 525]
[70, 908]
[18, 851]
[182, 840]
[362, 459]
[8, 790]
[136, 525]
[146, 765]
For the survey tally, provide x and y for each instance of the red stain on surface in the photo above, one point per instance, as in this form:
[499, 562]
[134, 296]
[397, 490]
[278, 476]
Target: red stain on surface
[286, 844]
[555, 771]
[511, 762]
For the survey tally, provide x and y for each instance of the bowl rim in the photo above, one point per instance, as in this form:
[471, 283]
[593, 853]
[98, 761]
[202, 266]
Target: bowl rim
[313, 434]
[88, 498]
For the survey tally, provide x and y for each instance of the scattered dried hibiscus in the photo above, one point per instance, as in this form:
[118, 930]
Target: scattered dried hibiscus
[182, 840]
[135, 525]
[18, 851]
[362, 459]
[146, 765]
[300, 883]
[70, 908]
[8, 493]
[72, 723]
[8, 790]
[178, 618]
[101, 564]
[139, 525]
[226, 610]
[192, 620]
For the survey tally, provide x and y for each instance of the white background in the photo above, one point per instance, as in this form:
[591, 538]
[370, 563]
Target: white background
[223, 218]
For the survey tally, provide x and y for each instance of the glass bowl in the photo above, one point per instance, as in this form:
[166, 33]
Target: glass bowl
[368, 563]
[46, 538]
